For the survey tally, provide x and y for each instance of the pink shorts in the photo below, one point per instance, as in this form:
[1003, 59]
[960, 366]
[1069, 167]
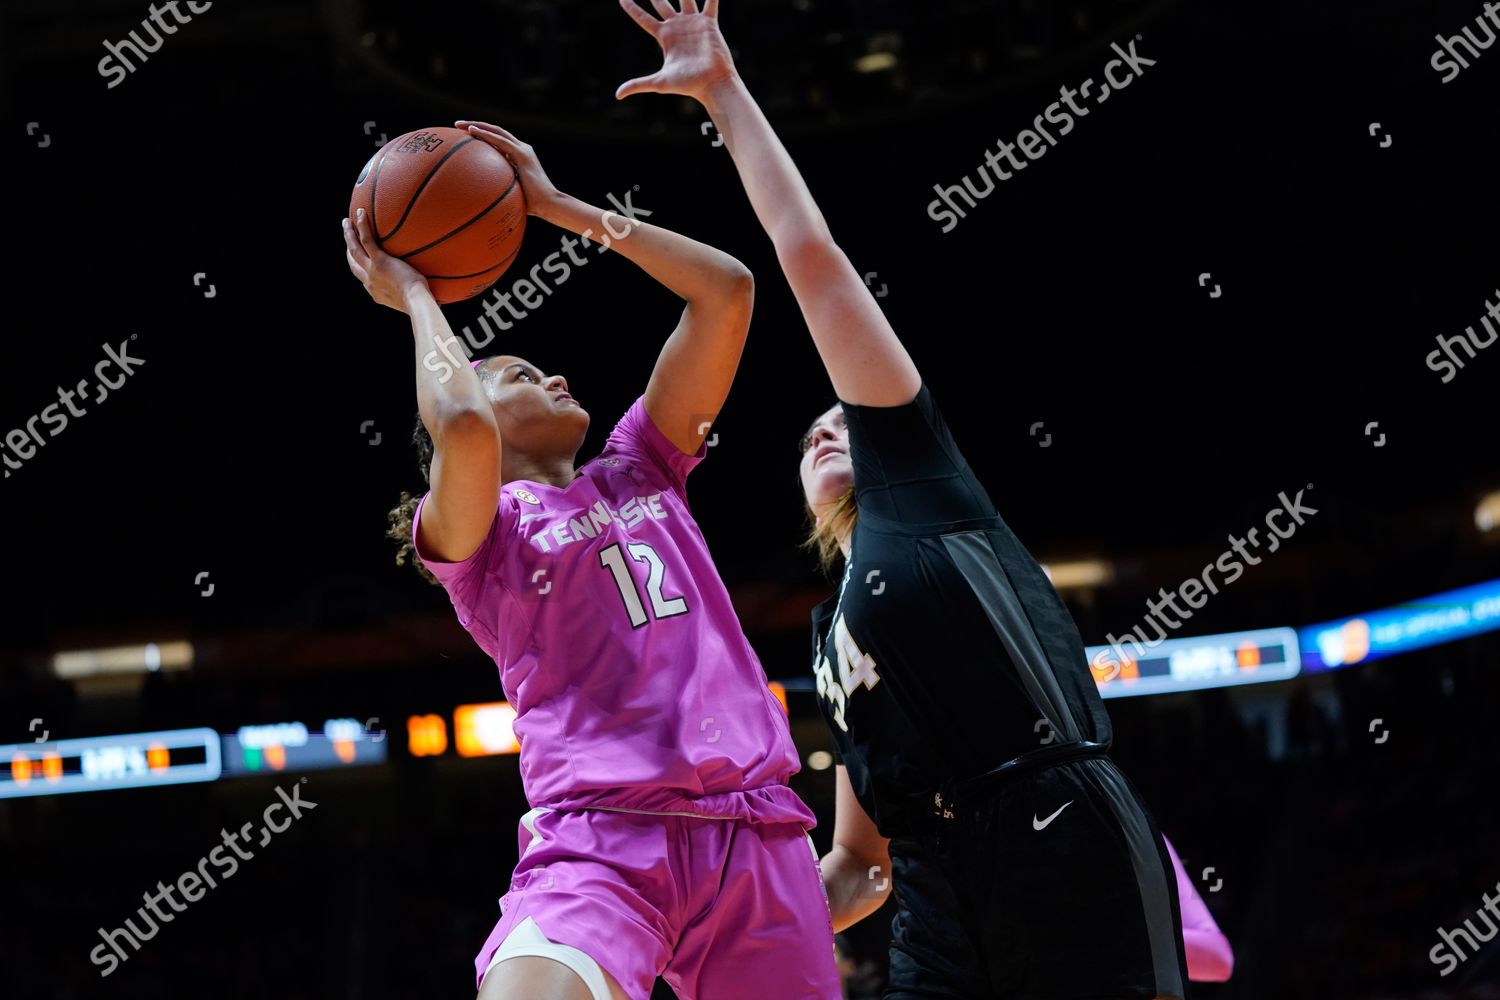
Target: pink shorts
[719, 908]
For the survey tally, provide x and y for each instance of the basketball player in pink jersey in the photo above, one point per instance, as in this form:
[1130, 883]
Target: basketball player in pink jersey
[663, 838]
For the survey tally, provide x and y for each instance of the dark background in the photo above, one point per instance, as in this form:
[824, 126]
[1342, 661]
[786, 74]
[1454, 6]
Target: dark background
[1069, 296]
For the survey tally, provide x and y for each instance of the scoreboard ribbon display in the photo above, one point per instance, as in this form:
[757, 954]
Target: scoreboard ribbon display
[1191, 664]
[289, 746]
[1427, 621]
[131, 760]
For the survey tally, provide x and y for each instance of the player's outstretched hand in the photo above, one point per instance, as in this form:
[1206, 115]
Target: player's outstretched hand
[695, 56]
[389, 280]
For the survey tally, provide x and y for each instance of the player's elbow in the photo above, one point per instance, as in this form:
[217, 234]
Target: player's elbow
[857, 885]
[465, 429]
[735, 294]
[868, 865]
[737, 280]
[811, 253]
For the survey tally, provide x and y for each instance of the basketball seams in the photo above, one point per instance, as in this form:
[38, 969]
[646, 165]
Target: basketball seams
[412, 201]
[374, 183]
[447, 197]
[515, 180]
[463, 277]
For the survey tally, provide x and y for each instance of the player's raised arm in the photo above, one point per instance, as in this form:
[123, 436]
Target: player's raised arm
[465, 472]
[865, 360]
[698, 363]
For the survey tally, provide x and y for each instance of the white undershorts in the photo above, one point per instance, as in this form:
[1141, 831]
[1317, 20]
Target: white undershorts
[527, 940]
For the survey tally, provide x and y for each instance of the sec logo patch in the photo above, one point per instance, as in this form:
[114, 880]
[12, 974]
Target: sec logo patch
[610, 462]
[528, 496]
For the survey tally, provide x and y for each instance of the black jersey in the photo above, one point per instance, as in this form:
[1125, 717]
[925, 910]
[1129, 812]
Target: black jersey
[946, 652]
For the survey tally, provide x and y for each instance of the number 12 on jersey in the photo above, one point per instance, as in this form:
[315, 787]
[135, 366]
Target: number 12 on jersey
[613, 559]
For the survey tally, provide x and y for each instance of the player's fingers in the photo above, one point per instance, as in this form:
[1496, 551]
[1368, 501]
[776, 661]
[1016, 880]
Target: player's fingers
[711, 8]
[690, 6]
[366, 237]
[359, 272]
[646, 21]
[506, 144]
[663, 8]
[352, 246]
[517, 152]
[640, 85]
[467, 126]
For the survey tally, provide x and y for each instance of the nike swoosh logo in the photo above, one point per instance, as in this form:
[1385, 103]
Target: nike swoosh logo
[1041, 824]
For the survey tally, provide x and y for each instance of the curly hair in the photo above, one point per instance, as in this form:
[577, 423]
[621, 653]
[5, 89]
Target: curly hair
[402, 517]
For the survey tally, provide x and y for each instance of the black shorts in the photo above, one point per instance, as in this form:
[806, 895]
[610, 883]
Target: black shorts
[1084, 908]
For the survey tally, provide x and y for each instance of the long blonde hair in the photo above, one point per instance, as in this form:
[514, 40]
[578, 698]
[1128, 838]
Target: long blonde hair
[823, 537]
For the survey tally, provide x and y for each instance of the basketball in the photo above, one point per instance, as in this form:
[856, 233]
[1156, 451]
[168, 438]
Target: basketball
[448, 204]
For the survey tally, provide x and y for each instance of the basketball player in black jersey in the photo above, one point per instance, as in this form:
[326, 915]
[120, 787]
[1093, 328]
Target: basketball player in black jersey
[973, 745]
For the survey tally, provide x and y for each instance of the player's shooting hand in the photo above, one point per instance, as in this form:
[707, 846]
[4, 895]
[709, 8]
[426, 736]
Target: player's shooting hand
[541, 194]
[389, 280]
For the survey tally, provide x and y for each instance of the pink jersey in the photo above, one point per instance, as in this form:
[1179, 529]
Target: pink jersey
[1209, 957]
[633, 683]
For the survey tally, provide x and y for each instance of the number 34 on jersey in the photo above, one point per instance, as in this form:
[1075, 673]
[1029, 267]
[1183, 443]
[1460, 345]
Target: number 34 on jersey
[856, 667]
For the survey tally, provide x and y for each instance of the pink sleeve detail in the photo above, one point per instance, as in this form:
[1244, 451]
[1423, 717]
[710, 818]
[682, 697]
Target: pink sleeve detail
[637, 434]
